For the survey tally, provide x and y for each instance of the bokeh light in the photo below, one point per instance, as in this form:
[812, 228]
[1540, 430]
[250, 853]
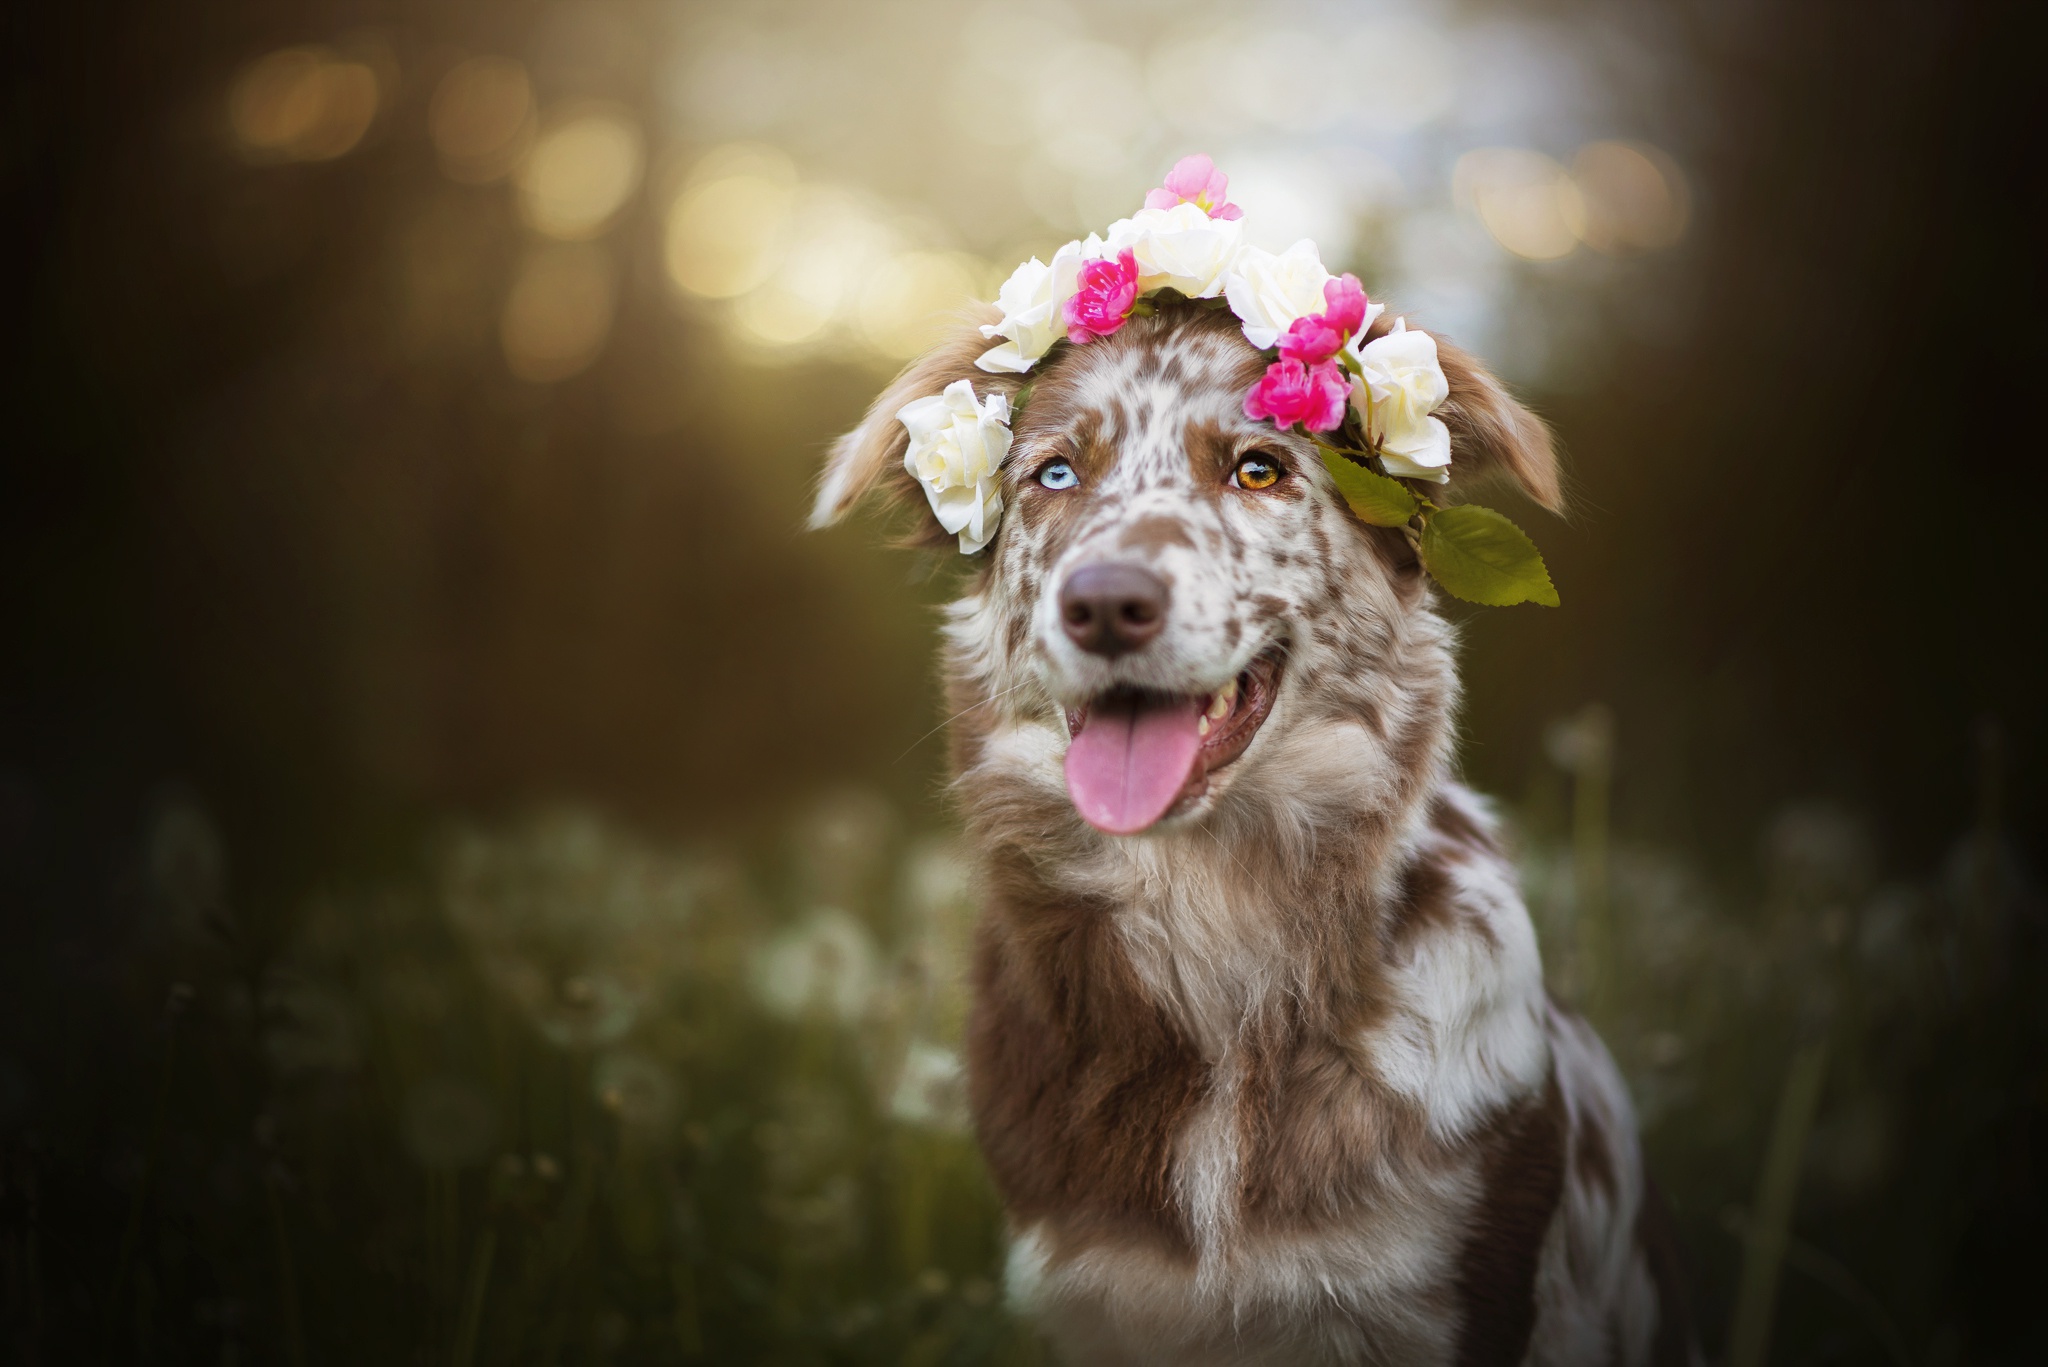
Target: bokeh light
[726, 228]
[835, 242]
[910, 298]
[559, 311]
[584, 166]
[1053, 123]
[1526, 200]
[482, 118]
[1635, 197]
[302, 104]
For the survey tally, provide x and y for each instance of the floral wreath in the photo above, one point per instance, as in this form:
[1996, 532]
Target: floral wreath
[1187, 242]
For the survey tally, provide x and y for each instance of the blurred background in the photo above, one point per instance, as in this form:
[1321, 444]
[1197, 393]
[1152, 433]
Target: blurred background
[474, 884]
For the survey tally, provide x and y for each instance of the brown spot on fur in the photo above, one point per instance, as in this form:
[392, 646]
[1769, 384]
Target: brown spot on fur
[1522, 1173]
[1079, 1083]
[1154, 534]
[1051, 514]
[1317, 1131]
[1424, 901]
[1455, 823]
[1212, 452]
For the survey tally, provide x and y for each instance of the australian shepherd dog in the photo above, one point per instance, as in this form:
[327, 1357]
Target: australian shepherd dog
[1260, 1054]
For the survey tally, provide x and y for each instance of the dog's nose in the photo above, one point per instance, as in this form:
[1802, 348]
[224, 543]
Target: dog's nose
[1112, 609]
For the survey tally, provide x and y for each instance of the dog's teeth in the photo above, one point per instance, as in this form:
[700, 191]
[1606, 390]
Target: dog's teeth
[1218, 706]
[1202, 727]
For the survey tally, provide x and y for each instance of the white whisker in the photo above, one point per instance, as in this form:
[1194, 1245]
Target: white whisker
[956, 717]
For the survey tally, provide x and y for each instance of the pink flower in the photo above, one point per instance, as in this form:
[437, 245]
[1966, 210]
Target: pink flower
[1311, 340]
[1319, 336]
[1195, 180]
[1103, 301]
[1291, 392]
[1345, 304]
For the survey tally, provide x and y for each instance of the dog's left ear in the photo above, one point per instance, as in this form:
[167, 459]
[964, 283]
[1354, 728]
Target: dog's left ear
[1493, 436]
[871, 455]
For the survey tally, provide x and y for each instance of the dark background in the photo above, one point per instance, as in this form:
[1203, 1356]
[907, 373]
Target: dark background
[255, 557]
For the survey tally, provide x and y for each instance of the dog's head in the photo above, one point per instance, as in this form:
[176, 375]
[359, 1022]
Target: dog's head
[1179, 615]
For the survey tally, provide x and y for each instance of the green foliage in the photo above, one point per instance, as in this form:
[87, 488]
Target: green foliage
[1376, 499]
[576, 1097]
[1481, 557]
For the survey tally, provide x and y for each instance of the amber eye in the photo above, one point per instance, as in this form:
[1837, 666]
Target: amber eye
[1255, 472]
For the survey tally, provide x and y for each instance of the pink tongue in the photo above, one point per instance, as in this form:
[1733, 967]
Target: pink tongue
[1130, 760]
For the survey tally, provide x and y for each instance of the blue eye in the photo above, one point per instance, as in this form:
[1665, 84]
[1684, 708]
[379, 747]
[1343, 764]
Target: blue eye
[1058, 475]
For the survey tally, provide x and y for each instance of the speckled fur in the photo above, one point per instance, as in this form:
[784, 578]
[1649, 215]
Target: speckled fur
[1276, 1081]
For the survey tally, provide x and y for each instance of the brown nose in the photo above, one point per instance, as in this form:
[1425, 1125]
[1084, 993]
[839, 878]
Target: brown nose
[1112, 609]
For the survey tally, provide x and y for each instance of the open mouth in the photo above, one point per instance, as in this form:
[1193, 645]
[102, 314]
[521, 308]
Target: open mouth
[1134, 755]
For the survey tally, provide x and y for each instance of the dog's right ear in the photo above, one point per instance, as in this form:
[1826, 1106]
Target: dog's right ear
[871, 455]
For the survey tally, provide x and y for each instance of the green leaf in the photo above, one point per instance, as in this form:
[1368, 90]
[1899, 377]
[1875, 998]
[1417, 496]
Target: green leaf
[1020, 398]
[1481, 557]
[1376, 499]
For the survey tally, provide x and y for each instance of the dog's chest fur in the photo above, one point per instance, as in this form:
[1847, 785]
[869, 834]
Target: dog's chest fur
[1296, 1144]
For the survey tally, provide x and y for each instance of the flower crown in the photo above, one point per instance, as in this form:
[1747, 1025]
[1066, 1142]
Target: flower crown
[1187, 241]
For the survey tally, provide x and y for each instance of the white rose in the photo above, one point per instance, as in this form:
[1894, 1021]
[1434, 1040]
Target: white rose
[1180, 248]
[1033, 301]
[1268, 292]
[1401, 385]
[956, 451]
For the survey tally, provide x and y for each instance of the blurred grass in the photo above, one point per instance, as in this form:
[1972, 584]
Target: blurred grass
[573, 1097]
[1821, 1066]
[570, 1094]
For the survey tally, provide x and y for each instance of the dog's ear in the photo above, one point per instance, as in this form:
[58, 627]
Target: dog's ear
[1492, 435]
[871, 455]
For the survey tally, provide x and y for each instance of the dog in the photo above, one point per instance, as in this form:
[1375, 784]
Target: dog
[1273, 1078]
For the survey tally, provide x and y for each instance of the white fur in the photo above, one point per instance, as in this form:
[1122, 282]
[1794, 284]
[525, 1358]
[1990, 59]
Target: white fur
[1357, 1294]
[1470, 1035]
